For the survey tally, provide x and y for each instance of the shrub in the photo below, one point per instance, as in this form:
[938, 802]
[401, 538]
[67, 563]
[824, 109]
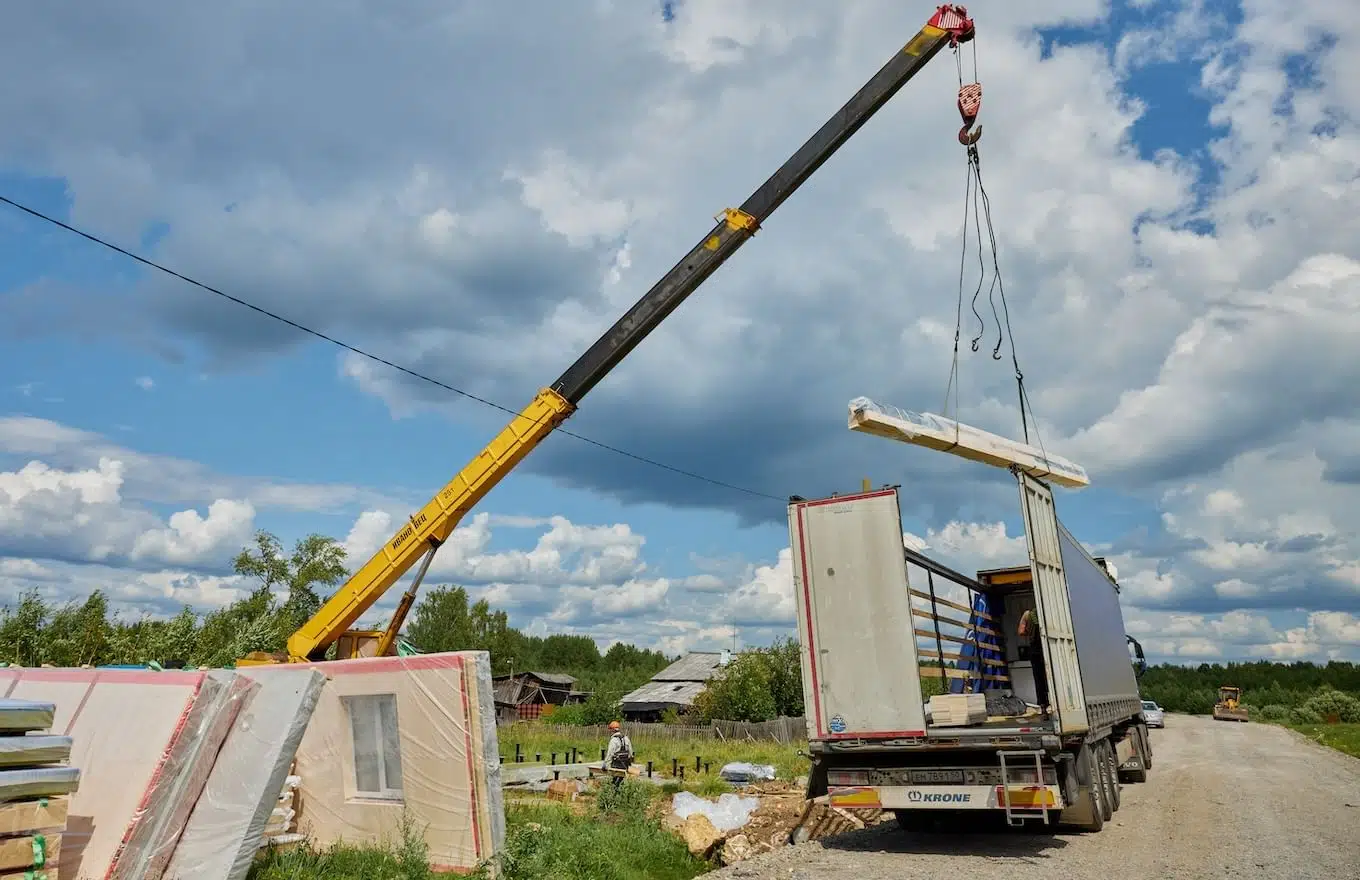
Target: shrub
[1329, 702]
[1275, 712]
[1304, 715]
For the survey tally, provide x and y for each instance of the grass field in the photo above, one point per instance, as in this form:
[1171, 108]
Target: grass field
[614, 838]
[1342, 737]
[534, 740]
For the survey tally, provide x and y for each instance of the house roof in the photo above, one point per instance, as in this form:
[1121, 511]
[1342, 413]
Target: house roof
[694, 666]
[545, 677]
[663, 693]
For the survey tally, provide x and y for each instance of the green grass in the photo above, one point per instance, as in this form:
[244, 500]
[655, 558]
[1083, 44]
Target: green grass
[407, 859]
[1342, 737]
[534, 740]
[620, 840]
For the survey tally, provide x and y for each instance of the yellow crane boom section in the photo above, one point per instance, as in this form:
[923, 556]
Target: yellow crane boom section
[434, 522]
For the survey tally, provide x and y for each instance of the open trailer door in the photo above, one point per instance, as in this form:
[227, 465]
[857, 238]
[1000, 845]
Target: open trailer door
[860, 668]
[1053, 604]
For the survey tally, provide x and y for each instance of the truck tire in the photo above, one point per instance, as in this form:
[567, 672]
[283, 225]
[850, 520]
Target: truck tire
[1100, 780]
[1147, 745]
[1089, 798]
[1112, 774]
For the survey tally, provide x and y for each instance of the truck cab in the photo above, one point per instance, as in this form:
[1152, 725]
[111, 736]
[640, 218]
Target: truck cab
[920, 696]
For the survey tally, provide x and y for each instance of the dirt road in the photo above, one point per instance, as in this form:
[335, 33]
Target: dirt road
[1223, 800]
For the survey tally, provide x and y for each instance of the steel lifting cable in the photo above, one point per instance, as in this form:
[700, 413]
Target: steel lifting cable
[979, 206]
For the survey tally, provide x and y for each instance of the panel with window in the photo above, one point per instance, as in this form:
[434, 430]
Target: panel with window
[377, 746]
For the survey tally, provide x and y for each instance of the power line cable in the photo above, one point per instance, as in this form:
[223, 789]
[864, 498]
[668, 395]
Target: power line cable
[373, 357]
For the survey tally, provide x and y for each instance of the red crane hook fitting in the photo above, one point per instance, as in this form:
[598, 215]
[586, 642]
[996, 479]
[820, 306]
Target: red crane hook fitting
[970, 102]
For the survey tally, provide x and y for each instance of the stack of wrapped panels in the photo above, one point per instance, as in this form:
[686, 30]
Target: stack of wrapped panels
[35, 781]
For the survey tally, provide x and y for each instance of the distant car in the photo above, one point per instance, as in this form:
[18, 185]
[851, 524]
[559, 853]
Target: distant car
[1153, 714]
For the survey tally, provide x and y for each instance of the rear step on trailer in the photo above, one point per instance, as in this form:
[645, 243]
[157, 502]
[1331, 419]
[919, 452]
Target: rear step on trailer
[1014, 815]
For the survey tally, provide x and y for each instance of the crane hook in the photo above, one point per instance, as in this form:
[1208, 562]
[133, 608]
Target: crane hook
[970, 103]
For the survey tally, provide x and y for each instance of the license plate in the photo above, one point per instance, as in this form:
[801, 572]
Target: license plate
[931, 776]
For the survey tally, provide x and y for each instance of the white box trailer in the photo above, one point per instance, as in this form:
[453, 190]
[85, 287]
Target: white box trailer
[869, 633]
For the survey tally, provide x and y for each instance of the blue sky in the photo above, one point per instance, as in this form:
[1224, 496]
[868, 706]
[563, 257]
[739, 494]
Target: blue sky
[1139, 162]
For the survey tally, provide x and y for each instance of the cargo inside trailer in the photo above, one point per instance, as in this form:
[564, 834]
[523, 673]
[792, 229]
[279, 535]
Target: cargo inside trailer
[985, 669]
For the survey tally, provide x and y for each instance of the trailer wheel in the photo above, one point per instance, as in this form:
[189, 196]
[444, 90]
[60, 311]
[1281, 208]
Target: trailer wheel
[1147, 745]
[1101, 781]
[1089, 800]
[1111, 774]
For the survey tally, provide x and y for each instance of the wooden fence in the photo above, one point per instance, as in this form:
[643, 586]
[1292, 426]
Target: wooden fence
[780, 730]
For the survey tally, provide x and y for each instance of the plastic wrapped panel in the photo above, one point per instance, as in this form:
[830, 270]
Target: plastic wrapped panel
[165, 807]
[21, 716]
[946, 435]
[38, 782]
[34, 749]
[242, 796]
[121, 723]
[445, 748]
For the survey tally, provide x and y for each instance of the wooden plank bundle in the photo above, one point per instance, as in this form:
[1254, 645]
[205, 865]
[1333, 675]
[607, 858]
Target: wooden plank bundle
[957, 710]
[946, 435]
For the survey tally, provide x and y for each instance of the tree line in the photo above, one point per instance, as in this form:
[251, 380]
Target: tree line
[287, 590]
[759, 685]
[1301, 693]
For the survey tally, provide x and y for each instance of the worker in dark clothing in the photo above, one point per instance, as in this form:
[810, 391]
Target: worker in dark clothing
[1028, 630]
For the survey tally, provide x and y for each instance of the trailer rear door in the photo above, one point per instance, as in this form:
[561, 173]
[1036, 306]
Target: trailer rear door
[1054, 605]
[860, 675]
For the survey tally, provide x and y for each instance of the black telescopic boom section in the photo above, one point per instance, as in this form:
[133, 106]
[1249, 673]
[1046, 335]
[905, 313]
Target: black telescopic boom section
[732, 231]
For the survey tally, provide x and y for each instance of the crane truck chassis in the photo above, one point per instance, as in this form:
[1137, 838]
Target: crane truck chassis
[872, 742]
[421, 537]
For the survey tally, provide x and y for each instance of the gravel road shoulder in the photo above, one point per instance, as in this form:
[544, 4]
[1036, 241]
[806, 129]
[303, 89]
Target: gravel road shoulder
[1222, 799]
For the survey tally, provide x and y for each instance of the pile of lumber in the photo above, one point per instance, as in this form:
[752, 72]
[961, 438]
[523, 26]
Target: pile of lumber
[957, 710]
[281, 829]
[35, 781]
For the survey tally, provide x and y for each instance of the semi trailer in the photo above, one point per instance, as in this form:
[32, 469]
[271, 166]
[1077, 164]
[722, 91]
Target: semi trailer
[1041, 730]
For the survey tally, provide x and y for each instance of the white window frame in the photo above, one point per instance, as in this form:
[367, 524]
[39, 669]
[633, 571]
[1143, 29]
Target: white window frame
[366, 709]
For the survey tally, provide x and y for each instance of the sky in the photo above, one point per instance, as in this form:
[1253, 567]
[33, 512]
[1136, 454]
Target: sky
[475, 193]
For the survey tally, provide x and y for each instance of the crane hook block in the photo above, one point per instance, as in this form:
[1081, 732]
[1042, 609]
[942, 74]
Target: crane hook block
[970, 103]
[954, 20]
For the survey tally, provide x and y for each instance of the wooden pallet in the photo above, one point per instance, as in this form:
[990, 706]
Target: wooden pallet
[30, 837]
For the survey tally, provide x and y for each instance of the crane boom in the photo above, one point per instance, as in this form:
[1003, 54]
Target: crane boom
[433, 524]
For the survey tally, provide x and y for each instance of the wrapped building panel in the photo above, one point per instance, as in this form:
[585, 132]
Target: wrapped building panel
[34, 749]
[224, 830]
[404, 735]
[946, 435]
[38, 782]
[21, 716]
[122, 724]
[174, 789]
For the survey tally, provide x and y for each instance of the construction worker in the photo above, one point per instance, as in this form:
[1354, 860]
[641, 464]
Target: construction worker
[619, 755]
[1028, 630]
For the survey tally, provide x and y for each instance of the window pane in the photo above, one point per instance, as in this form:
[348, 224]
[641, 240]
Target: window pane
[363, 725]
[391, 742]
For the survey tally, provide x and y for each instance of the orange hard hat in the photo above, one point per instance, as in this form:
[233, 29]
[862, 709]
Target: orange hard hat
[613, 725]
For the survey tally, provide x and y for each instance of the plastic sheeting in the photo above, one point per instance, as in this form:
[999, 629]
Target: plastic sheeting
[227, 825]
[160, 817]
[21, 716]
[36, 748]
[38, 782]
[729, 813]
[123, 725]
[405, 734]
[741, 771]
[946, 435]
